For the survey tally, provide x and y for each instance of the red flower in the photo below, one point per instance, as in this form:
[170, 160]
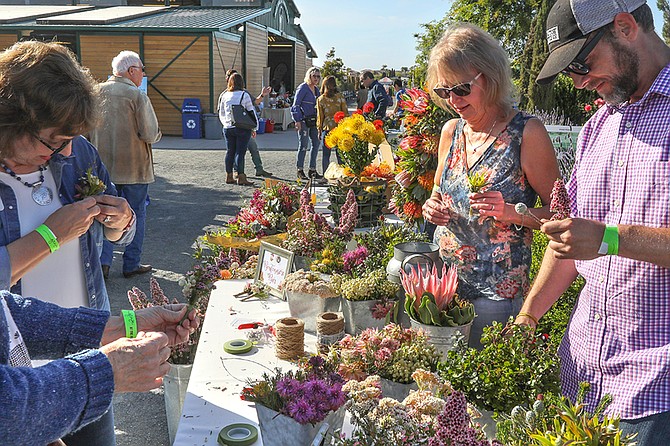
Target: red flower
[358, 111]
[339, 116]
[368, 107]
[415, 101]
[378, 124]
[246, 393]
[588, 108]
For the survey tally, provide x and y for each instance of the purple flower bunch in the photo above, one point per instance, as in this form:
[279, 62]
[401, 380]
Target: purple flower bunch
[453, 425]
[312, 400]
[307, 395]
[354, 259]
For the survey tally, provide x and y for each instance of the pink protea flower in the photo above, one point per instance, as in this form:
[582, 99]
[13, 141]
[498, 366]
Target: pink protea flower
[415, 101]
[441, 286]
[560, 201]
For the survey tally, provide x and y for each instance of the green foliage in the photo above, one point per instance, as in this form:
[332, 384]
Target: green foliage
[426, 40]
[512, 366]
[458, 313]
[334, 66]
[555, 321]
[664, 7]
[381, 240]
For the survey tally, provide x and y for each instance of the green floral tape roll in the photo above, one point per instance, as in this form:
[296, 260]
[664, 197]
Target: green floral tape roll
[237, 346]
[238, 434]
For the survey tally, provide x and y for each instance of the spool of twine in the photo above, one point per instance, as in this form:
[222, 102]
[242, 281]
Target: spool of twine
[329, 330]
[290, 338]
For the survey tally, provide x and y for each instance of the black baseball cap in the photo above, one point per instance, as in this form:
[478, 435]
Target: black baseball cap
[569, 24]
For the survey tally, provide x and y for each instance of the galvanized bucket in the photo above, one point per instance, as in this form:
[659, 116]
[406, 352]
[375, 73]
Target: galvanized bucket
[280, 430]
[397, 391]
[444, 338]
[308, 306]
[358, 316]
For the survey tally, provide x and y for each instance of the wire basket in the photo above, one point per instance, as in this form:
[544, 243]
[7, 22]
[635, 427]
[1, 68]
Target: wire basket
[370, 196]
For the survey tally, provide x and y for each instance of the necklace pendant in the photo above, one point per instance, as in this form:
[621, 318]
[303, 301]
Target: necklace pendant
[42, 195]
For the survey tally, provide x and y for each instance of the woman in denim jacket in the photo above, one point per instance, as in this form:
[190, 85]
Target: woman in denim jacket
[304, 115]
[52, 233]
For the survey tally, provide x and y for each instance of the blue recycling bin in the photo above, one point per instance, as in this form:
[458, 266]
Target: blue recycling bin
[261, 125]
[191, 127]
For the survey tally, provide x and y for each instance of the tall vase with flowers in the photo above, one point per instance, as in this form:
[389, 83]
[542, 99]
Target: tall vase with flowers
[353, 138]
[433, 305]
[417, 153]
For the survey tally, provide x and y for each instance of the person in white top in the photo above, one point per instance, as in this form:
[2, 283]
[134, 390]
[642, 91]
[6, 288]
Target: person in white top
[237, 138]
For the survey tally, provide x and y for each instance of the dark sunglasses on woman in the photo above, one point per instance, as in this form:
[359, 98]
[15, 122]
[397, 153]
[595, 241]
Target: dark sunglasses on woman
[463, 89]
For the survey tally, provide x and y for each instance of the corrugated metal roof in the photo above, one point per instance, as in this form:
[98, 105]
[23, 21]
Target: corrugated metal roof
[102, 16]
[175, 19]
[21, 13]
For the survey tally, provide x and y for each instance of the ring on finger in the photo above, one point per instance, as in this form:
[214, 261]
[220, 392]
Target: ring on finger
[107, 219]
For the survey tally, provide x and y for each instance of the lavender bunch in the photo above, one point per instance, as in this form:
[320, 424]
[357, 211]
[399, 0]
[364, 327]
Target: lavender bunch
[454, 427]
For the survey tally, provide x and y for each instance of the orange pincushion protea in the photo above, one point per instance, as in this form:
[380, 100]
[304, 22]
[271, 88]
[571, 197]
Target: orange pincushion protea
[426, 180]
[430, 144]
[412, 209]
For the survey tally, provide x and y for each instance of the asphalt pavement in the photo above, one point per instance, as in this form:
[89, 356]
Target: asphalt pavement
[189, 197]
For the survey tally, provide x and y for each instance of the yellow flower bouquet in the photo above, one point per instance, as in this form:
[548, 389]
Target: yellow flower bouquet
[352, 137]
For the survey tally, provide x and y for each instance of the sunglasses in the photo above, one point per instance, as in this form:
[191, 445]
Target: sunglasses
[578, 65]
[54, 150]
[463, 89]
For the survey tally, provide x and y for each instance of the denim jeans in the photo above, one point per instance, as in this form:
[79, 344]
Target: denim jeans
[304, 136]
[98, 433]
[255, 156]
[136, 196]
[237, 141]
[653, 430]
[325, 155]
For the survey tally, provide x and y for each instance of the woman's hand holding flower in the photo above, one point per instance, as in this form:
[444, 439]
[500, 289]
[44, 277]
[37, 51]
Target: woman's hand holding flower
[490, 204]
[435, 210]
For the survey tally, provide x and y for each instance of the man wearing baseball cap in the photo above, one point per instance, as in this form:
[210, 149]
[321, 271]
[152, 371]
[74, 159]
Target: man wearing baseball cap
[618, 238]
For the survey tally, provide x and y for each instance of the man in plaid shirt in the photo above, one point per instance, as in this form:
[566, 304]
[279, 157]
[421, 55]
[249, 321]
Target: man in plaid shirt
[618, 236]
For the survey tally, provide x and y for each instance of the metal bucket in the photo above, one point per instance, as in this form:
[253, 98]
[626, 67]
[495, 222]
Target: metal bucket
[444, 338]
[358, 316]
[280, 430]
[408, 254]
[174, 392]
[308, 306]
[397, 391]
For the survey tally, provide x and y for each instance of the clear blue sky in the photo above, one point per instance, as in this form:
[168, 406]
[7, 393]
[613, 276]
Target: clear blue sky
[372, 33]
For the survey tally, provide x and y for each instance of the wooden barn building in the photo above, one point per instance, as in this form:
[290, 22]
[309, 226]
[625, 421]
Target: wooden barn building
[186, 49]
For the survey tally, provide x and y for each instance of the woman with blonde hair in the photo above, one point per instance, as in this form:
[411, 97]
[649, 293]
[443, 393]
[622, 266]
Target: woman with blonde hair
[304, 115]
[510, 151]
[328, 104]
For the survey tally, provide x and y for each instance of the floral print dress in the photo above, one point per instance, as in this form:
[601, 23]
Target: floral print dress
[493, 258]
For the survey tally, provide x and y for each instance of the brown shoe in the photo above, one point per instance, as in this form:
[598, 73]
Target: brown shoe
[143, 269]
[230, 178]
[242, 180]
[105, 271]
[301, 175]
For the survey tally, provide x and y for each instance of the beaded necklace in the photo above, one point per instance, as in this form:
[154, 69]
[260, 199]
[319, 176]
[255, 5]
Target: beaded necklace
[40, 193]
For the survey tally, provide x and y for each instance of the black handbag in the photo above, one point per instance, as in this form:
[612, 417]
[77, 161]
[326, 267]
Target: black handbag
[310, 122]
[243, 118]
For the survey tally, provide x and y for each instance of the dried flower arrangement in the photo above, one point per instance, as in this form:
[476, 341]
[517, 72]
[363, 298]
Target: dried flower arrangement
[307, 282]
[393, 353]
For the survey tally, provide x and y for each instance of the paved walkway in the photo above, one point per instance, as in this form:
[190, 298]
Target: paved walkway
[278, 140]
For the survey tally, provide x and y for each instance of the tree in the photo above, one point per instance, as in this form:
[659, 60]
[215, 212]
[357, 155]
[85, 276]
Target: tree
[664, 7]
[334, 66]
[433, 30]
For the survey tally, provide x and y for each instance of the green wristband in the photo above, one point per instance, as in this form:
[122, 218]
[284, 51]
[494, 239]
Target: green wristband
[611, 237]
[130, 321]
[48, 237]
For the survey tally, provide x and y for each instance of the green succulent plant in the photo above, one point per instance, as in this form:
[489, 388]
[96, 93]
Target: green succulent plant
[458, 313]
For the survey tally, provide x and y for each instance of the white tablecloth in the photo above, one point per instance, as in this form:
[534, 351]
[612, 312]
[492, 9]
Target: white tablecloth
[213, 396]
[281, 116]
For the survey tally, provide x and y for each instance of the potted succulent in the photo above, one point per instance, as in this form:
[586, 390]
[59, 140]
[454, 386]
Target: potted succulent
[433, 305]
[292, 406]
[308, 296]
[367, 299]
[392, 352]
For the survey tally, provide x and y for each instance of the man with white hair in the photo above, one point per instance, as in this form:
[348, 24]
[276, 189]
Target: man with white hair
[124, 136]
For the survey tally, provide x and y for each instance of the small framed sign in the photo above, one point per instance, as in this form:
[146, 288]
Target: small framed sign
[274, 264]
